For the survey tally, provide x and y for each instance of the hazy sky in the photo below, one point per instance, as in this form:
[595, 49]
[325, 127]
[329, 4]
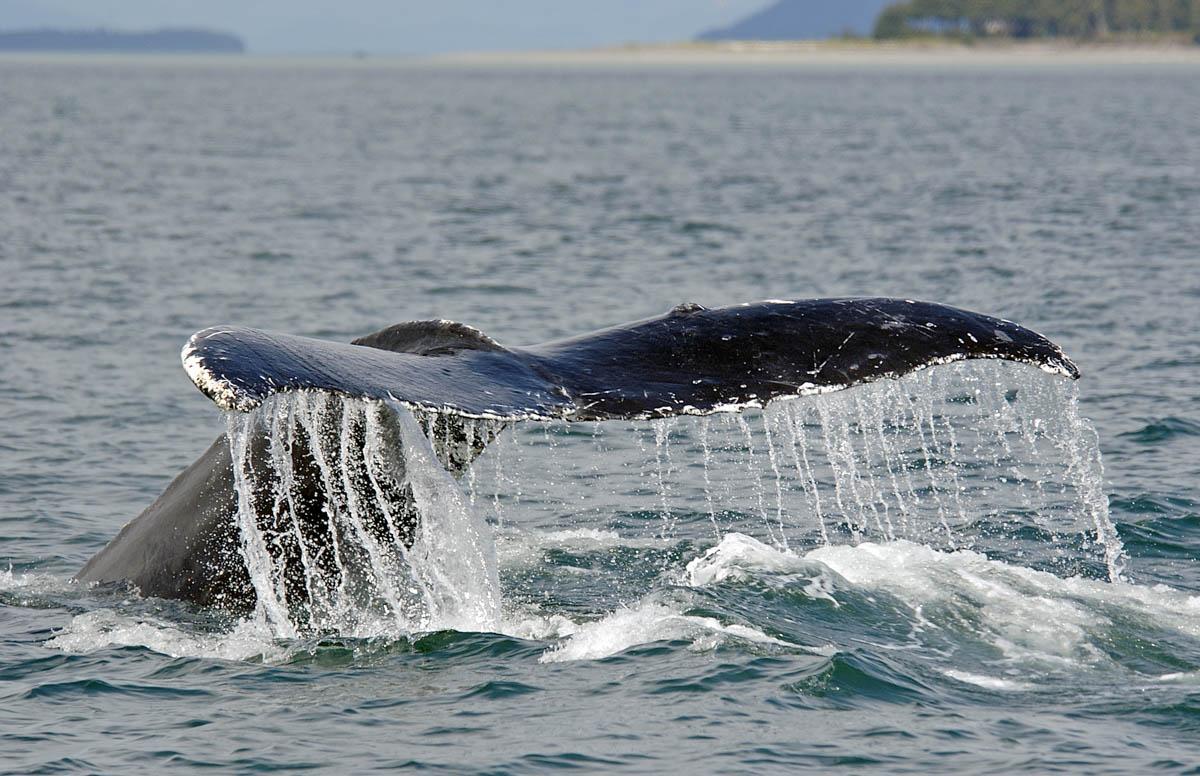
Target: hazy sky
[398, 26]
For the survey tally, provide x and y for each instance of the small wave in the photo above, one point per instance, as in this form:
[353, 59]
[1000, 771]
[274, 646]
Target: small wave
[1030, 618]
[271, 256]
[1155, 504]
[698, 227]
[1025, 614]
[498, 289]
[1162, 430]
[74, 691]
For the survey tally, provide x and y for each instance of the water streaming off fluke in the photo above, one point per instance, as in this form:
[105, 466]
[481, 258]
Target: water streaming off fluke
[360, 518]
[351, 524]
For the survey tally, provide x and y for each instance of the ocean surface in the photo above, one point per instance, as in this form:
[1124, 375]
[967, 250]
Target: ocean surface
[897, 578]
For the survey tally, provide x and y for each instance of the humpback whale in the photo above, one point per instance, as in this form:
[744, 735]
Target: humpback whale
[188, 544]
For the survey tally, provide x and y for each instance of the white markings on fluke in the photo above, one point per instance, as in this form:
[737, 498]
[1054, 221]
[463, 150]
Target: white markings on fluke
[223, 393]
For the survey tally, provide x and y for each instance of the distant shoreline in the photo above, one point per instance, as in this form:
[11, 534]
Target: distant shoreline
[733, 54]
[850, 52]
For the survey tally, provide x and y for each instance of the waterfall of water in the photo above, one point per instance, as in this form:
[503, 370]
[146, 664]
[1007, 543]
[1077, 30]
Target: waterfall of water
[951, 457]
[351, 523]
[990, 456]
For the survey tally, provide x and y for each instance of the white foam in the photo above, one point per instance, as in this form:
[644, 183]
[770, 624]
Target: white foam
[586, 537]
[525, 548]
[251, 639]
[646, 623]
[22, 582]
[537, 627]
[1183, 677]
[988, 682]
[738, 556]
[104, 628]
[1032, 618]
[1026, 614]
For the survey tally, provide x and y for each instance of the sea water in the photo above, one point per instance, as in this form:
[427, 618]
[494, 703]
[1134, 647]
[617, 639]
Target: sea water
[976, 568]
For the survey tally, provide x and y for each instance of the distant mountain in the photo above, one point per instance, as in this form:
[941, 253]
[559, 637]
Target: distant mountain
[803, 20]
[173, 41]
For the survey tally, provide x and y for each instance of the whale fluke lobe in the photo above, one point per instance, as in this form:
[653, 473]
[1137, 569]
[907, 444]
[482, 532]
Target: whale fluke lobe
[314, 452]
[239, 368]
[692, 360]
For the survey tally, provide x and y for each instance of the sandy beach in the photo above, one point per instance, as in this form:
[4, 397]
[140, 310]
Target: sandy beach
[847, 53]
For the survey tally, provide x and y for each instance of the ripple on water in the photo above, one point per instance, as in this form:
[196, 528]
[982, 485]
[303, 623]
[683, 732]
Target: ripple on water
[74, 691]
[1162, 430]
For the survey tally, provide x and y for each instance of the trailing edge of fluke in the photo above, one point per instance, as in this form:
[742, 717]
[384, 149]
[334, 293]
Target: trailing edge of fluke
[693, 360]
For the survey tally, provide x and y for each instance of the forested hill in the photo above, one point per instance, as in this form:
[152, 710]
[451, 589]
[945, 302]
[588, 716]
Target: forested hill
[181, 41]
[1038, 18]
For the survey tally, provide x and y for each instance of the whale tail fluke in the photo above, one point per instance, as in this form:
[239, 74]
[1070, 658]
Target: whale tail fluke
[692, 360]
[463, 388]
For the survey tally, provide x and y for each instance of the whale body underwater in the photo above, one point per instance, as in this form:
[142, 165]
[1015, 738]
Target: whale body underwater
[187, 545]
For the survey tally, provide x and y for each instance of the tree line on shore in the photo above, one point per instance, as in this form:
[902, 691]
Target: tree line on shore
[1091, 19]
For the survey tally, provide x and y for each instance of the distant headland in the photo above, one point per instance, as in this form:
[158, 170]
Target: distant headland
[165, 41]
[1143, 21]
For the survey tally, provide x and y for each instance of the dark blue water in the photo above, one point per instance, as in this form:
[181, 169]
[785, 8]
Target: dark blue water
[145, 201]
